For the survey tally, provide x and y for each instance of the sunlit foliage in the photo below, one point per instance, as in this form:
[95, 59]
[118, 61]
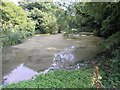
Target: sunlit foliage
[15, 24]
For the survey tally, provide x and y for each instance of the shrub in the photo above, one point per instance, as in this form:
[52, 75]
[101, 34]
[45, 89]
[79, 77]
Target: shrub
[112, 42]
[45, 22]
[59, 79]
[11, 38]
[110, 70]
[15, 24]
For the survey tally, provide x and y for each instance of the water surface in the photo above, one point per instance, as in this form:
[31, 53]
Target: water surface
[39, 52]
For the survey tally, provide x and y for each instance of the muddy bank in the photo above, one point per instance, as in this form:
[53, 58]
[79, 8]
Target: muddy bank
[38, 52]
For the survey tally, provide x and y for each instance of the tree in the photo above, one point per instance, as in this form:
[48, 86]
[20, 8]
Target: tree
[43, 15]
[15, 24]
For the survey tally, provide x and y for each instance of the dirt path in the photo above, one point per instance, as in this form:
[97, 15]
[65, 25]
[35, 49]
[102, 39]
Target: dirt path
[38, 52]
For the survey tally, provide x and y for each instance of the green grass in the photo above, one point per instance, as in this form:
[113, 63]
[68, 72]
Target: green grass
[59, 79]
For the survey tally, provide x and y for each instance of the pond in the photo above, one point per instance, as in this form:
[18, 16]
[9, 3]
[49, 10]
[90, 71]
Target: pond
[42, 53]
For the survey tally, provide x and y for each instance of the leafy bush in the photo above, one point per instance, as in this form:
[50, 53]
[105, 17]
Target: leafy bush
[49, 23]
[59, 79]
[110, 23]
[11, 38]
[15, 24]
[110, 69]
[42, 14]
[15, 35]
[109, 63]
[112, 42]
[102, 17]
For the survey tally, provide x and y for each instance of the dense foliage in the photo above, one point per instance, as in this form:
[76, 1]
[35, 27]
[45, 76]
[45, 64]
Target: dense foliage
[110, 68]
[45, 23]
[111, 18]
[112, 43]
[20, 22]
[99, 17]
[103, 19]
[59, 79]
[15, 24]
[47, 16]
[109, 62]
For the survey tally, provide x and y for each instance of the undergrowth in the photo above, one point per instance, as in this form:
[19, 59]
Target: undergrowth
[112, 42]
[110, 68]
[11, 38]
[110, 62]
[59, 79]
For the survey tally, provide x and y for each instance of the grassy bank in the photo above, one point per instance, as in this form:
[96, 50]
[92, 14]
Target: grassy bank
[59, 79]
